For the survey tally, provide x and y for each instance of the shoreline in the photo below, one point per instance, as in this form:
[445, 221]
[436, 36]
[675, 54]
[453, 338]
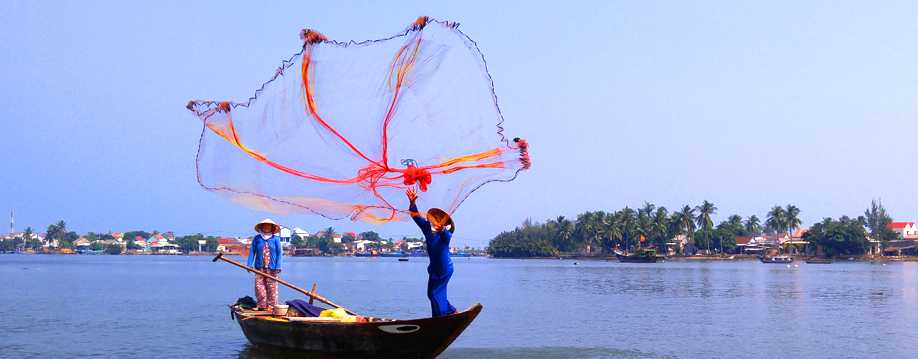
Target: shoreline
[734, 258]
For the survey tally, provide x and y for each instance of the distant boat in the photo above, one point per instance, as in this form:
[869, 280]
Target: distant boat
[642, 255]
[394, 254]
[403, 259]
[815, 260]
[777, 259]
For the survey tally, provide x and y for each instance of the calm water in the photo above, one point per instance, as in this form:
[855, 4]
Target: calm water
[143, 306]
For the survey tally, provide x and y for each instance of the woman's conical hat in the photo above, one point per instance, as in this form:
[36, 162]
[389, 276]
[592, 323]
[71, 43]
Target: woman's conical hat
[439, 216]
[267, 221]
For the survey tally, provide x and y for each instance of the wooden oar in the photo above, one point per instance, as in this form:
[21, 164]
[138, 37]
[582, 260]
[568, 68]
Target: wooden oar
[312, 294]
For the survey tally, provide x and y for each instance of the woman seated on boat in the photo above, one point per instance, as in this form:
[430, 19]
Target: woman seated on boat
[265, 255]
[437, 239]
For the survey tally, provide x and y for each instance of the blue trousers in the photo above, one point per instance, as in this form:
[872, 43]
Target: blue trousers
[436, 292]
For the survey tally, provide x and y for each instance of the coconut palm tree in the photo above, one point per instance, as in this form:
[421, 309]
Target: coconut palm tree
[703, 218]
[565, 232]
[792, 218]
[660, 228]
[612, 230]
[777, 219]
[684, 221]
[753, 225]
[627, 219]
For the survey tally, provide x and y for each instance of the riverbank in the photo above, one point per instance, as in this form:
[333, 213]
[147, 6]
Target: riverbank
[728, 258]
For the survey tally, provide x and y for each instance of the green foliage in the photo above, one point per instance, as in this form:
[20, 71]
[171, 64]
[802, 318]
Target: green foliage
[704, 221]
[297, 241]
[96, 246]
[131, 245]
[878, 221]
[8, 245]
[190, 243]
[526, 241]
[113, 248]
[33, 243]
[370, 236]
[845, 236]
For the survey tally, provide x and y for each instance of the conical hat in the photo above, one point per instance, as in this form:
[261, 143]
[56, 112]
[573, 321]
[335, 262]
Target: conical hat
[267, 221]
[436, 215]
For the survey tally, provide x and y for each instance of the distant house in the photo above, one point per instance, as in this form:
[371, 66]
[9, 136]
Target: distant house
[900, 247]
[906, 230]
[364, 245]
[118, 236]
[164, 247]
[285, 235]
[753, 244]
[231, 246]
[300, 232]
[82, 243]
[142, 242]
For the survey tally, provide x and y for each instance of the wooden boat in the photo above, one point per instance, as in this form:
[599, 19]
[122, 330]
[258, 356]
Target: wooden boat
[642, 255]
[776, 259]
[815, 260]
[378, 338]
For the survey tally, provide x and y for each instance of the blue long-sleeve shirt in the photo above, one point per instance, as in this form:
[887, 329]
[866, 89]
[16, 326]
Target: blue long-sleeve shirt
[256, 255]
[437, 245]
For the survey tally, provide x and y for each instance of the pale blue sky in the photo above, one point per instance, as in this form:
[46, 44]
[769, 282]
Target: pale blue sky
[746, 104]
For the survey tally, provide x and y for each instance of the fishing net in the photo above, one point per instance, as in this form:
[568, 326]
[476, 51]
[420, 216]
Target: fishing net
[343, 128]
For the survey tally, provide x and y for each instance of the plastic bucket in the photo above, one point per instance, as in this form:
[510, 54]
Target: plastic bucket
[280, 309]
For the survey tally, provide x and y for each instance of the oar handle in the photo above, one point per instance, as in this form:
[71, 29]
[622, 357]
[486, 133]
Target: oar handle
[311, 294]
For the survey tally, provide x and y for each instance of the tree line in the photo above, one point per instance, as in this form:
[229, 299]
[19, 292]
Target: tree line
[600, 232]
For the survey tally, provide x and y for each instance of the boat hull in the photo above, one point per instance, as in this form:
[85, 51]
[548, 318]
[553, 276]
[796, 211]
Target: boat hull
[417, 338]
[777, 260]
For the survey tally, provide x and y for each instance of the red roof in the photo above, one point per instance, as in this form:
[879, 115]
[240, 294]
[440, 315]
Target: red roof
[743, 239]
[225, 241]
[900, 225]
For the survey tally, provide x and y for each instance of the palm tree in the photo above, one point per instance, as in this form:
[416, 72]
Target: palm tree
[644, 226]
[703, 218]
[753, 225]
[615, 230]
[586, 229]
[777, 219]
[329, 233]
[792, 218]
[627, 219]
[565, 232]
[684, 221]
[660, 228]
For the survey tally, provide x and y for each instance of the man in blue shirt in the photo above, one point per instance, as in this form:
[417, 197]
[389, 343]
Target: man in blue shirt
[437, 239]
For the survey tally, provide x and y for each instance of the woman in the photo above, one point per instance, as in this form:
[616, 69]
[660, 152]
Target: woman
[265, 255]
[437, 239]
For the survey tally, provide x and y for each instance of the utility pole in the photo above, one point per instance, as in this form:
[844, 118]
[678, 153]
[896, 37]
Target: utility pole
[12, 223]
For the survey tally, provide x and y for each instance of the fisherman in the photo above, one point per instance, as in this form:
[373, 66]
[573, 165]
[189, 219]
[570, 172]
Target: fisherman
[265, 255]
[437, 239]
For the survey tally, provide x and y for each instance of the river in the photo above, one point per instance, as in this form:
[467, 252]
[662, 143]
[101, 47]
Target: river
[158, 306]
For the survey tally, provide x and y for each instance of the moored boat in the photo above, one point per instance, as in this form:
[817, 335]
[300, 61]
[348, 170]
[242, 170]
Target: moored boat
[815, 260]
[377, 338]
[776, 259]
[642, 255]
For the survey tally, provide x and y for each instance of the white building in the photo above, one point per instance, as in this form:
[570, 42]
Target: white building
[906, 230]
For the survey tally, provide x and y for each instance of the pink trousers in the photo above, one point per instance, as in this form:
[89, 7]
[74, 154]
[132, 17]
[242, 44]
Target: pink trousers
[266, 289]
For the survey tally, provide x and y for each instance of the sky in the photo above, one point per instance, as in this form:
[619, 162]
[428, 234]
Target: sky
[745, 104]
